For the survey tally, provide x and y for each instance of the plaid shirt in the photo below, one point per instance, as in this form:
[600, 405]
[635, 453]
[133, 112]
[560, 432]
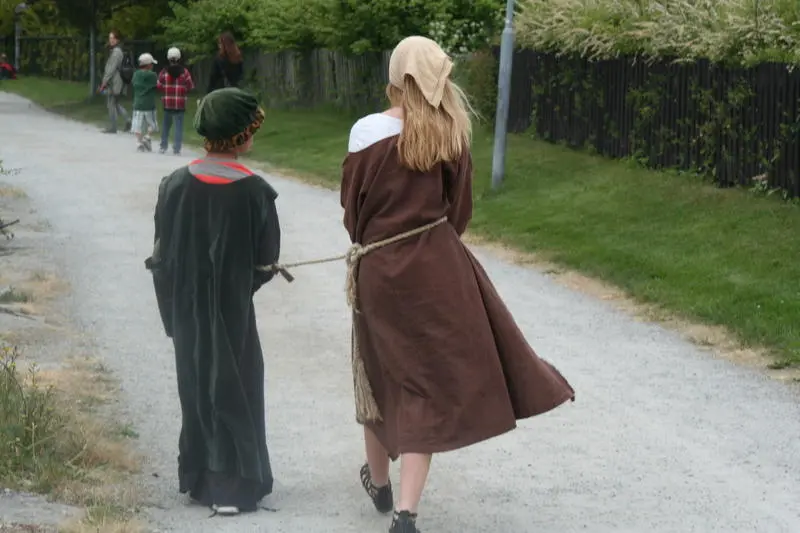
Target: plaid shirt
[175, 89]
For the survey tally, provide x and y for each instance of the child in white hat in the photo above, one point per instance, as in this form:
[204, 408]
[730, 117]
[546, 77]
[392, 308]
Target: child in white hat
[145, 82]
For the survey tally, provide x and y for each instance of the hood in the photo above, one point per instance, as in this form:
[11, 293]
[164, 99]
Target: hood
[175, 70]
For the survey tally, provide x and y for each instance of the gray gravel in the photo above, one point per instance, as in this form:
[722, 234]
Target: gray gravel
[663, 437]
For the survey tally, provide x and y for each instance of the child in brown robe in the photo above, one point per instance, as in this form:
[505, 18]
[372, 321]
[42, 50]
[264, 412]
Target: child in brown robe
[446, 365]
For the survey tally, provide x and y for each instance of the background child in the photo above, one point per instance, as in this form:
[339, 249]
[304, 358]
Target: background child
[174, 82]
[144, 84]
[7, 71]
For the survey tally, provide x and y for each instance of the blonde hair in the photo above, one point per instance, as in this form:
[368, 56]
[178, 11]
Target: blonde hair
[430, 134]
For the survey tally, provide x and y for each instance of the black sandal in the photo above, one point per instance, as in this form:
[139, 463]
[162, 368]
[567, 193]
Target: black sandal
[381, 497]
[404, 522]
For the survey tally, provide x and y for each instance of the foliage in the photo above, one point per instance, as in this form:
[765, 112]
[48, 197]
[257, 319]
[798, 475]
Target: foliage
[741, 32]
[462, 26]
[31, 425]
[132, 19]
[42, 18]
[477, 75]
[355, 26]
[289, 24]
[7, 16]
[195, 27]
[135, 20]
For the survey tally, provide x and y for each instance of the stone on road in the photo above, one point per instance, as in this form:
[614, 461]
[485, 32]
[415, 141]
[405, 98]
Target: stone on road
[662, 438]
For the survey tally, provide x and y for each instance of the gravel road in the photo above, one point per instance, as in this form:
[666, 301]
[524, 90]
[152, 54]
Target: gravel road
[663, 437]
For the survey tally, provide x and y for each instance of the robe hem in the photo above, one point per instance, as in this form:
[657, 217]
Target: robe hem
[453, 445]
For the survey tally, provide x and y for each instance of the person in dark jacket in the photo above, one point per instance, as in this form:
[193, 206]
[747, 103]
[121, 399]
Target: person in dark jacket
[228, 68]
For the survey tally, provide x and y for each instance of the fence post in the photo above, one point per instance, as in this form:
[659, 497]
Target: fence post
[22, 6]
[92, 50]
[503, 97]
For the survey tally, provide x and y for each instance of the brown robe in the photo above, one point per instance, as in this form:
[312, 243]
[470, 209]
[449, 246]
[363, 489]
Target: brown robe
[446, 362]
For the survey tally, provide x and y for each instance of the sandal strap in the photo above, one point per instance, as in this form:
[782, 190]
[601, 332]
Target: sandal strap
[367, 483]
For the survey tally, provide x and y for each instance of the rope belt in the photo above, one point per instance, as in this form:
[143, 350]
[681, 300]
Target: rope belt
[366, 407]
[351, 257]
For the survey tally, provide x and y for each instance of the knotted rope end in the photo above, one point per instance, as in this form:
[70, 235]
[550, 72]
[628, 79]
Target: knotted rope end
[285, 273]
[278, 269]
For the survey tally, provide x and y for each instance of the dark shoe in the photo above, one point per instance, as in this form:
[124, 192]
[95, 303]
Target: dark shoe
[128, 125]
[381, 497]
[109, 130]
[404, 522]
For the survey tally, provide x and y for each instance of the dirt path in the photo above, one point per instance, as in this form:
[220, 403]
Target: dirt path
[662, 439]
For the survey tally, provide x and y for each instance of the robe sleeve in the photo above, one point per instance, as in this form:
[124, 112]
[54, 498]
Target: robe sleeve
[459, 192]
[350, 195]
[269, 242]
[162, 274]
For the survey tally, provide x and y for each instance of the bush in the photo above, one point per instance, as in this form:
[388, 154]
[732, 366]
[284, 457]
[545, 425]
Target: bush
[44, 442]
[31, 426]
[196, 27]
[739, 32]
[352, 26]
[477, 75]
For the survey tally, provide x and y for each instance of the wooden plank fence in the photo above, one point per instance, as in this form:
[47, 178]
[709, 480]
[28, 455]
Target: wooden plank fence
[316, 78]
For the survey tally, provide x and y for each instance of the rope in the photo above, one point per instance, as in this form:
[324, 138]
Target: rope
[351, 258]
[366, 407]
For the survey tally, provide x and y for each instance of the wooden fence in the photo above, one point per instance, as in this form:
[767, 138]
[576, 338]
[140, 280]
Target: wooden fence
[316, 78]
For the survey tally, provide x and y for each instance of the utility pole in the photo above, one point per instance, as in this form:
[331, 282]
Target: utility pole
[503, 97]
[18, 31]
[92, 49]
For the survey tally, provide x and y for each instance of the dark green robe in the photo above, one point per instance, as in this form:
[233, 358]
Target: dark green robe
[214, 223]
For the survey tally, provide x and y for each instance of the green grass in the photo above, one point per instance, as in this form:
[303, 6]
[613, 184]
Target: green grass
[721, 257]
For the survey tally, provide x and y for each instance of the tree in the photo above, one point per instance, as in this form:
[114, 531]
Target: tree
[134, 19]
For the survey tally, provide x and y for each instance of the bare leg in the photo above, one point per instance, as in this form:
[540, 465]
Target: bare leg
[414, 468]
[377, 458]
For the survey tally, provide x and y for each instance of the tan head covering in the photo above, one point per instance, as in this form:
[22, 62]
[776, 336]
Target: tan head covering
[423, 60]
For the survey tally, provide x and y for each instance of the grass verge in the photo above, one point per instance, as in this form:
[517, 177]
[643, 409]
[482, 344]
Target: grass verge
[54, 443]
[719, 257]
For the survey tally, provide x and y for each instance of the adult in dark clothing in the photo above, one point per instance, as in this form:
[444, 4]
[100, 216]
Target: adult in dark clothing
[215, 221]
[228, 68]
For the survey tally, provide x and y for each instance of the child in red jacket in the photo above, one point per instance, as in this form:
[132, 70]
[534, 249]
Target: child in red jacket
[175, 82]
[7, 71]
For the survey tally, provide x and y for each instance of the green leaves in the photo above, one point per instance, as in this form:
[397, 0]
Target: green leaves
[355, 26]
[743, 32]
[196, 26]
